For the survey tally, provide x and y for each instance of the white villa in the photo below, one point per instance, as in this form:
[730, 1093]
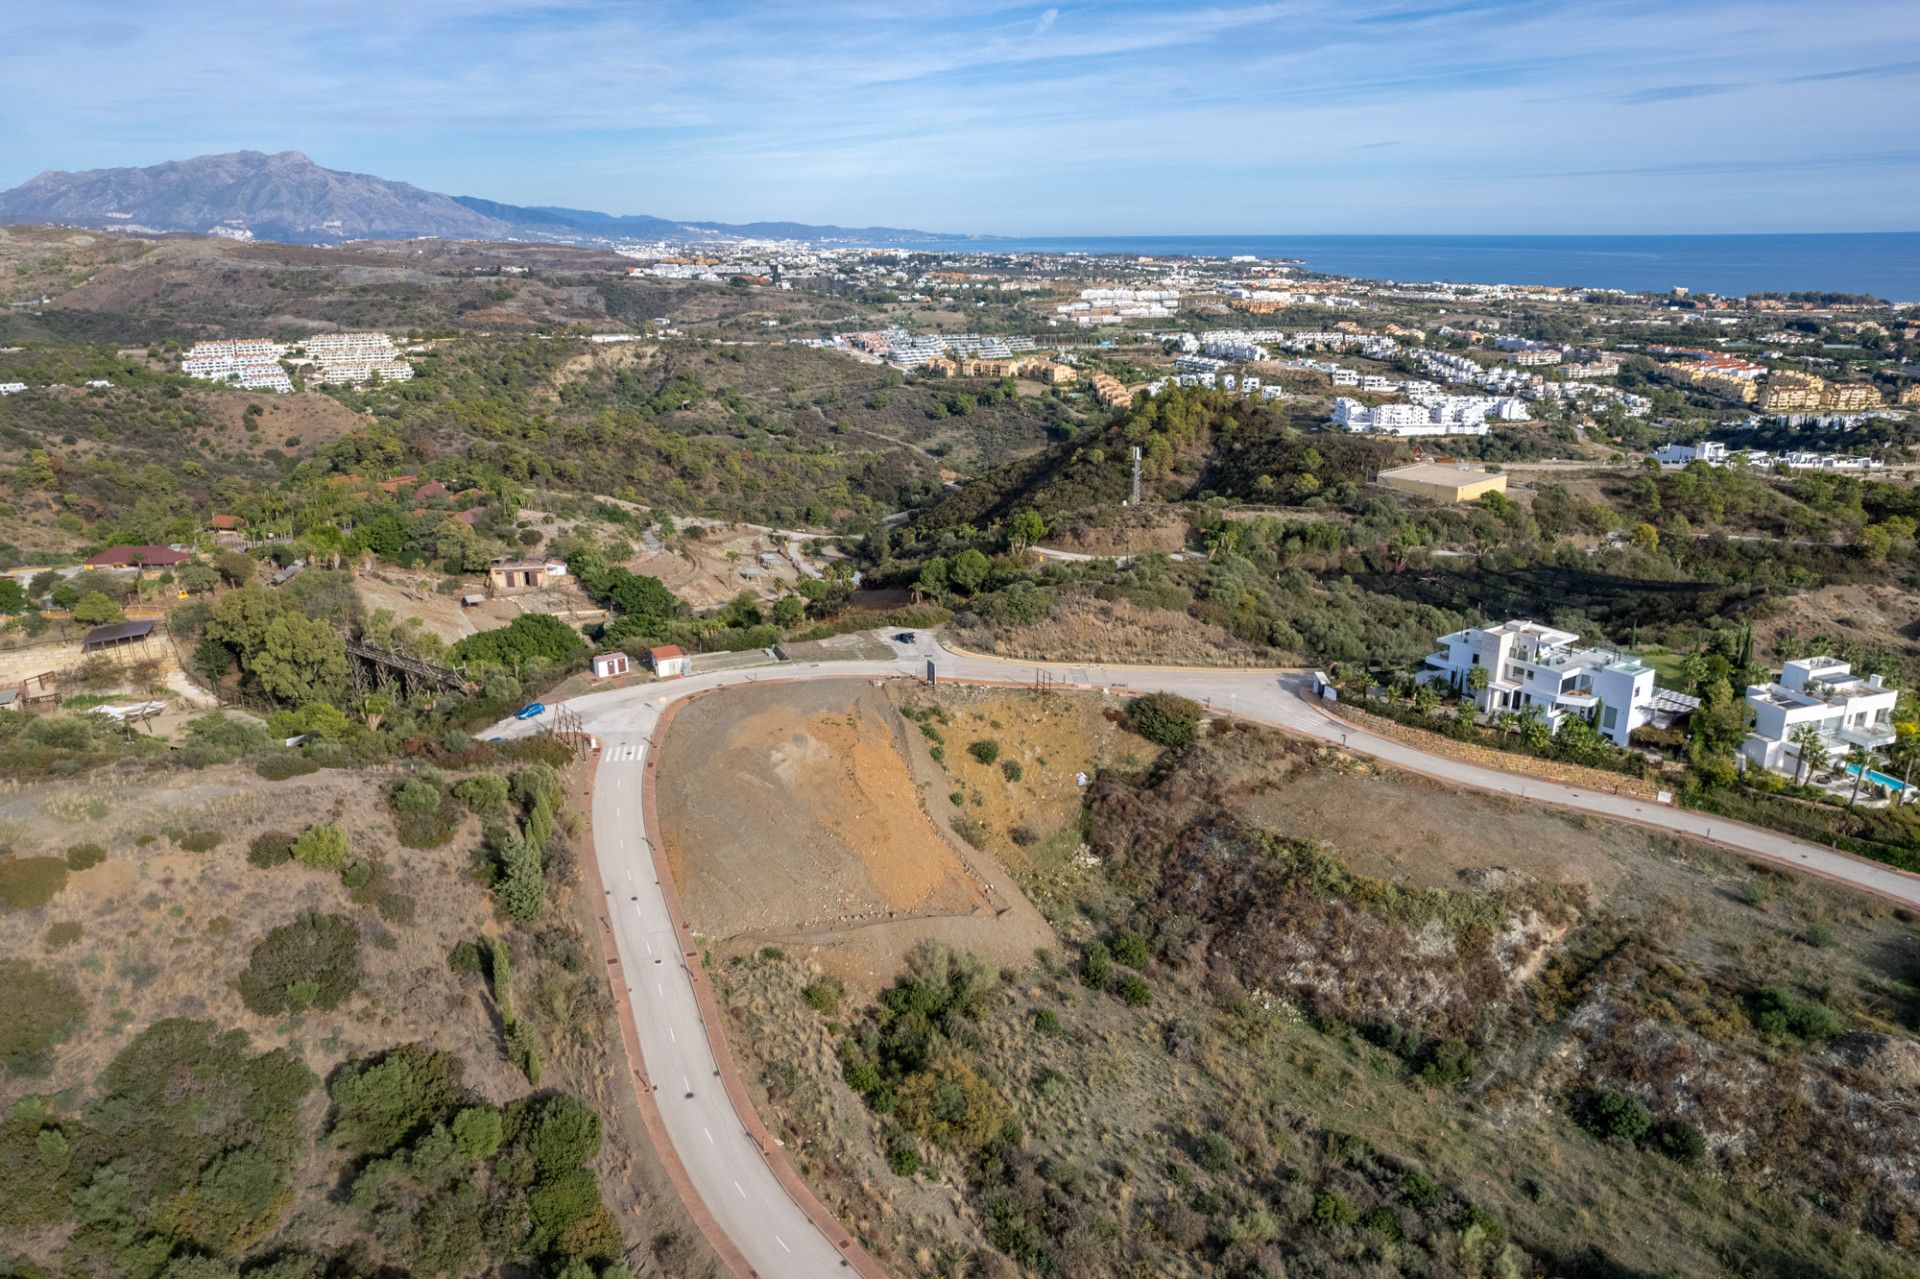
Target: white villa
[1528, 664]
[1844, 709]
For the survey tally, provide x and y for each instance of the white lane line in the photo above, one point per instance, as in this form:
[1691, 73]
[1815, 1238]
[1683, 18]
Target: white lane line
[736, 1186]
[709, 1133]
[783, 1243]
[671, 1037]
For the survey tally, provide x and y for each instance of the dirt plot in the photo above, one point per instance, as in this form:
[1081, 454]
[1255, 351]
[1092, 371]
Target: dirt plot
[793, 814]
[709, 570]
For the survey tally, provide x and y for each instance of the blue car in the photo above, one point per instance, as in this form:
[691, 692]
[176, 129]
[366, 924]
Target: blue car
[531, 711]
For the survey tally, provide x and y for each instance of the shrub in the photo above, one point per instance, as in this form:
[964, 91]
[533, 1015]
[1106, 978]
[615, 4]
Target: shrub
[1819, 935]
[1334, 1211]
[1098, 966]
[324, 847]
[199, 841]
[83, 856]
[1134, 990]
[484, 793]
[39, 1011]
[270, 848]
[1679, 1140]
[356, 874]
[1214, 1152]
[986, 750]
[1418, 1189]
[312, 962]
[903, 1157]
[465, 958]
[380, 1104]
[26, 882]
[284, 765]
[1779, 1015]
[1613, 1116]
[1165, 719]
[1130, 949]
[421, 818]
[823, 995]
[477, 1132]
[1011, 770]
[1046, 1021]
[62, 935]
[1384, 1222]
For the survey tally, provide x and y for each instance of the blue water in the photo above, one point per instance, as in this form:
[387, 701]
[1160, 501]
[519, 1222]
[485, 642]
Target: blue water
[1886, 264]
[1893, 784]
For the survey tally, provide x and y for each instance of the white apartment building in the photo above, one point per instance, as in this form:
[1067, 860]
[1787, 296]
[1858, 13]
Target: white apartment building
[1712, 452]
[1530, 665]
[1822, 692]
[353, 358]
[1429, 414]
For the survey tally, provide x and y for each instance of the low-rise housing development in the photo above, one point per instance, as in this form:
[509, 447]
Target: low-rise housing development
[1430, 413]
[1535, 669]
[1820, 707]
[251, 363]
[349, 359]
[1788, 391]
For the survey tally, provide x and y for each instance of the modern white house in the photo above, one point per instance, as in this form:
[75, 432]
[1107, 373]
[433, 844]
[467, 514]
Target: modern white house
[1712, 452]
[1823, 692]
[1530, 665]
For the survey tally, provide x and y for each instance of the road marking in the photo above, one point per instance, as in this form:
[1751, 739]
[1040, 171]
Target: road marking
[783, 1243]
[736, 1186]
[671, 1037]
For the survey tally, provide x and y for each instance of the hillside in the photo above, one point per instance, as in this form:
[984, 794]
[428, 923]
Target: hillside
[1194, 444]
[290, 198]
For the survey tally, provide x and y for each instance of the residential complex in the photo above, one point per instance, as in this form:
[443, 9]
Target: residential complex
[1824, 695]
[1790, 392]
[353, 358]
[1533, 667]
[251, 363]
[1429, 414]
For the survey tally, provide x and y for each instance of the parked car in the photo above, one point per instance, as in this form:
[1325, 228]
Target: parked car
[531, 711]
[904, 637]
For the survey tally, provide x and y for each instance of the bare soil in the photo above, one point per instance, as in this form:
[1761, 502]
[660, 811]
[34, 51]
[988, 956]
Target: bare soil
[709, 570]
[1884, 617]
[793, 815]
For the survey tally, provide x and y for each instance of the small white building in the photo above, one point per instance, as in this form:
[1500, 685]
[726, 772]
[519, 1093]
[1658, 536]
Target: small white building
[1530, 665]
[610, 665]
[1824, 693]
[669, 662]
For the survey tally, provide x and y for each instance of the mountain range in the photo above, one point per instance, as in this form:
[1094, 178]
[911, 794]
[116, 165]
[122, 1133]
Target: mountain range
[289, 198]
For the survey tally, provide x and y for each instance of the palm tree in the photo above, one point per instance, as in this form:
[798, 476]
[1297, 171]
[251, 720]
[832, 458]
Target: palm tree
[1858, 759]
[1813, 751]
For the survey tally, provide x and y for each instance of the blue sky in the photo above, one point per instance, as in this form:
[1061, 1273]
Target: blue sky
[1111, 117]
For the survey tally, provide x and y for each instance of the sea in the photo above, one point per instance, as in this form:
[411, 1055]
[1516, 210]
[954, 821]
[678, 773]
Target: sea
[1884, 264]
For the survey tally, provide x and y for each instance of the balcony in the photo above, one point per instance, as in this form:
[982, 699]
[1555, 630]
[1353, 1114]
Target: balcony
[1873, 735]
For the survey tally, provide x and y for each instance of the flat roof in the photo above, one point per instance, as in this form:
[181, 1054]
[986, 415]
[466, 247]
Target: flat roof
[1441, 473]
[115, 632]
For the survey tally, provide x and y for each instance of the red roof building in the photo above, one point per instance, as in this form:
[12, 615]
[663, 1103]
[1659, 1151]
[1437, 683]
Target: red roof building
[142, 556]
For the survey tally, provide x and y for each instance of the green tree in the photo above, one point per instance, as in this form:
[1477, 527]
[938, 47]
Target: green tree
[1026, 529]
[1859, 760]
[93, 609]
[969, 570]
[1813, 751]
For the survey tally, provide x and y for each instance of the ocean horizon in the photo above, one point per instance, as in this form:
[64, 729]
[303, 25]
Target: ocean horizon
[1885, 264]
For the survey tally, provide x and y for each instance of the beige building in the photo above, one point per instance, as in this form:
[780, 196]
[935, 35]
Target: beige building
[1791, 392]
[1110, 391]
[1443, 482]
[1720, 381]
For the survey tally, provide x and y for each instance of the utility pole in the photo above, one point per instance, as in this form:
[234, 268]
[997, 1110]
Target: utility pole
[1136, 476]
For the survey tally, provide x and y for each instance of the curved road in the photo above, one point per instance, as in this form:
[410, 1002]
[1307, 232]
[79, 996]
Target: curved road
[735, 1181]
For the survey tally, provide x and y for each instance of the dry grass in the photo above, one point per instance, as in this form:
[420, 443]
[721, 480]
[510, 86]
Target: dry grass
[1082, 628]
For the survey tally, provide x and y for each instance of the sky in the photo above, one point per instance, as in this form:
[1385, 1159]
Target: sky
[1107, 117]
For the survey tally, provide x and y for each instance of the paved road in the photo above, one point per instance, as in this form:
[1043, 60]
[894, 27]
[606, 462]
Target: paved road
[724, 1164]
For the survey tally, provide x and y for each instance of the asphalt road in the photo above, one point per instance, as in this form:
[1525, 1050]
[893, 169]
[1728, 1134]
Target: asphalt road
[724, 1164]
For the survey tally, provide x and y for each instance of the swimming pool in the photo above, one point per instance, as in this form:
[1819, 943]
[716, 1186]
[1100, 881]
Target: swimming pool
[1893, 784]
